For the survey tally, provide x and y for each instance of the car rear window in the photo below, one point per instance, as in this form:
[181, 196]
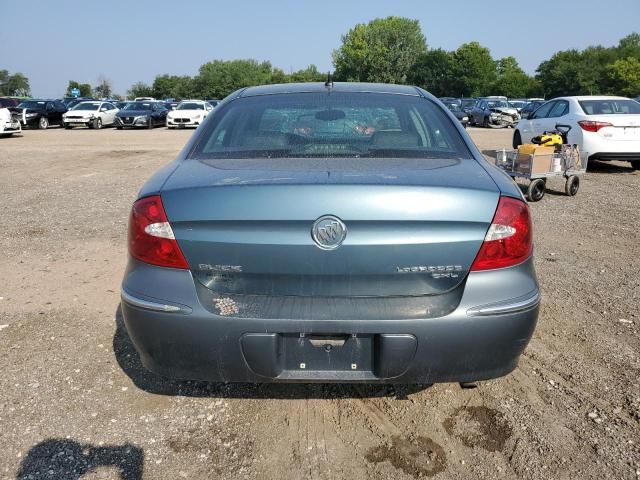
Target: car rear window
[610, 107]
[331, 124]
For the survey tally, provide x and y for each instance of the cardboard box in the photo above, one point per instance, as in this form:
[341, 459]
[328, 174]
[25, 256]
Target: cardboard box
[539, 161]
[542, 163]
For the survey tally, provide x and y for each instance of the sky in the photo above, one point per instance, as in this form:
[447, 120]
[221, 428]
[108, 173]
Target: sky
[54, 41]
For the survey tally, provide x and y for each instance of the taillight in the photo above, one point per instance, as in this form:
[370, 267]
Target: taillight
[593, 126]
[151, 238]
[509, 240]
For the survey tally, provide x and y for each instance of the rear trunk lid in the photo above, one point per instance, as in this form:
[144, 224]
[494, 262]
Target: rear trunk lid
[414, 227]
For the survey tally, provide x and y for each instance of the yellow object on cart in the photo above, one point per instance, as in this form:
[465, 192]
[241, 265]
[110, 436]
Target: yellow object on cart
[548, 139]
[532, 149]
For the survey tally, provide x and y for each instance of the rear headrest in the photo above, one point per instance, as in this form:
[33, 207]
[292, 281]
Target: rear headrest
[395, 140]
[267, 140]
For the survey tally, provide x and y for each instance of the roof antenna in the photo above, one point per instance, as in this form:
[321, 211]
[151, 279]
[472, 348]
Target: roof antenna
[329, 82]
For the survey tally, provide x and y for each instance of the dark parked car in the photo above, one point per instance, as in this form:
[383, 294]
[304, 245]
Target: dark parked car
[9, 102]
[40, 113]
[530, 107]
[145, 114]
[518, 103]
[490, 111]
[466, 104]
[341, 233]
[458, 113]
[450, 100]
[213, 102]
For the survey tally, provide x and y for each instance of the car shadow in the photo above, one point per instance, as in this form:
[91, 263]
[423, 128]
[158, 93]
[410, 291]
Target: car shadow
[130, 363]
[595, 166]
[71, 460]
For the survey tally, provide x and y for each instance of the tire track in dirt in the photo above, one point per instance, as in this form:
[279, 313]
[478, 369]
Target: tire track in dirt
[311, 433]
[415, 455]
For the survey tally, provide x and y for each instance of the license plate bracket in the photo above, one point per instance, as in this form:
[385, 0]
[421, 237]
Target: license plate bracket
[328, 352]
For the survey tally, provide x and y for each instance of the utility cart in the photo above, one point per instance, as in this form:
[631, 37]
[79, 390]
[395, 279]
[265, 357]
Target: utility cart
[537, 163]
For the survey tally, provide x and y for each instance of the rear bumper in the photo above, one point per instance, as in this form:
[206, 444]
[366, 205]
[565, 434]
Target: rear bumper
[603, 149]
[482, 339]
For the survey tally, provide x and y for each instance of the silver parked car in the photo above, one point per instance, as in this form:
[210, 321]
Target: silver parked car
[330, 233]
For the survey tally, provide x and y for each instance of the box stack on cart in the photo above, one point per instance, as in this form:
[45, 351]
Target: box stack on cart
[537, 163]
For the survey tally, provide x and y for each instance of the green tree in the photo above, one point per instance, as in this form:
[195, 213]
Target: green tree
[218, 78]
[511, 80]
[629, 46]
[140, 89]
[473, 70]
[383, 50]
[172, 86]
[560, 75]
[593, 69]
[432, 71]
[589, 72]
[184, 88]
[624, 76]
[85, 88]
[16, 84]
[103, 89]
[4, 76]
[309, 74]
[278, 76]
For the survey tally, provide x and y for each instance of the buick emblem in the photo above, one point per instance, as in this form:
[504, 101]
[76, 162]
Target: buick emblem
[328, 232]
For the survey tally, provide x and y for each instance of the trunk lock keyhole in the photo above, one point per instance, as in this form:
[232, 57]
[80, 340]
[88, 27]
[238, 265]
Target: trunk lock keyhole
[327, 348]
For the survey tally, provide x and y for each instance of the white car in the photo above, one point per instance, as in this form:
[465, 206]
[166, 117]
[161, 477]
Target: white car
[188, 113]
[607, 128]
[93, 114]
[8, 124]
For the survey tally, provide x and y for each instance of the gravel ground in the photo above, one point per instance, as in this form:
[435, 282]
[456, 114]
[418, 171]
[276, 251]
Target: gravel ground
[76, 403]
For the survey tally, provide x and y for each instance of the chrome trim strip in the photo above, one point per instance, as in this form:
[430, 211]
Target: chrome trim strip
[520, 304]
[147, 305]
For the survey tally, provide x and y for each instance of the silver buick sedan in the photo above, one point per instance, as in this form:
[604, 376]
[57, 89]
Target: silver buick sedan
[330, 232]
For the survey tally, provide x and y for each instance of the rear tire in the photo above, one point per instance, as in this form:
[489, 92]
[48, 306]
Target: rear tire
[536, 190]
[517, 139]
[572, 186]
[43, 123]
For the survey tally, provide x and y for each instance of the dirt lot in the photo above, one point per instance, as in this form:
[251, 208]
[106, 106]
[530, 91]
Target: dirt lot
[76, 403]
